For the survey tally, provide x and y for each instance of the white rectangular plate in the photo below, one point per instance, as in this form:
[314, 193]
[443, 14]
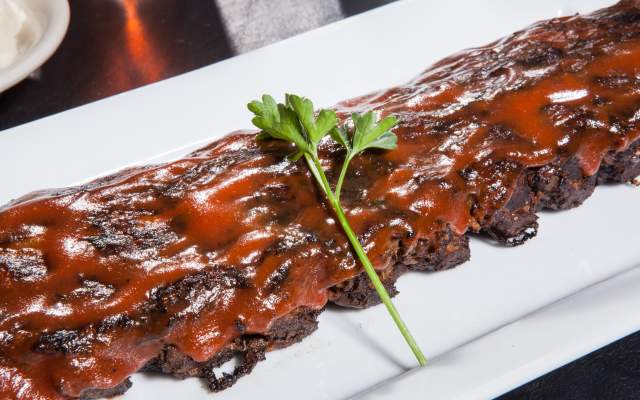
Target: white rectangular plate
[355, 350]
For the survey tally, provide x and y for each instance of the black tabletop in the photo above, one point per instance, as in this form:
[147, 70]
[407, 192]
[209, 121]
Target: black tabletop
[116, 45]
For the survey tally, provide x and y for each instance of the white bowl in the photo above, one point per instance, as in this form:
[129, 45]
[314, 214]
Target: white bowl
[55, 21]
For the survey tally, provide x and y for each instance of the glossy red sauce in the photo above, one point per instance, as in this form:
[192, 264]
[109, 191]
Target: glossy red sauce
[96, 259]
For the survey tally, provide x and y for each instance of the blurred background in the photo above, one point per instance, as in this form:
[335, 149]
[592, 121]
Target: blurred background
[116, 45]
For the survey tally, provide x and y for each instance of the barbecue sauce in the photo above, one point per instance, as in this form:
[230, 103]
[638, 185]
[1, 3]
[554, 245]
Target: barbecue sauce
[96, 280]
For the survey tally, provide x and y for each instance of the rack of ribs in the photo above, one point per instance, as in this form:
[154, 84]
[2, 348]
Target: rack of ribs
[231, 251]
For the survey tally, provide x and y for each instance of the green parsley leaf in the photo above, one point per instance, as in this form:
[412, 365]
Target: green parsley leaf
[387, 141]
[277, 121]
[341, 135]
[316, 128]
[294, 121]
[369, 134]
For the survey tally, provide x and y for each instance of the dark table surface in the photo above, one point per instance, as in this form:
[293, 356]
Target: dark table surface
[116, 45]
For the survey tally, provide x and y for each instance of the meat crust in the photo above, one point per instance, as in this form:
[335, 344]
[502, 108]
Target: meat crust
[230, 252]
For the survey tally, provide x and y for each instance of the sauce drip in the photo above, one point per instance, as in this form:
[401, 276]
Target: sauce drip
[246, 232]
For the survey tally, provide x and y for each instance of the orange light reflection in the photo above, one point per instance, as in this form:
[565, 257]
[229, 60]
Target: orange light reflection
[148, 64]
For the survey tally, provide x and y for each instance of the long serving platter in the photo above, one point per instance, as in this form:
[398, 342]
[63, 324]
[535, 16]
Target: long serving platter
[479, 305]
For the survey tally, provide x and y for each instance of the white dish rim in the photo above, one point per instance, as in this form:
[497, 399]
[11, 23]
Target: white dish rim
[123, 105]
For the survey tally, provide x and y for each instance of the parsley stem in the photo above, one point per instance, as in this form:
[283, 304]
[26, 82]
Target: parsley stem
[343, 173]
[317, 171]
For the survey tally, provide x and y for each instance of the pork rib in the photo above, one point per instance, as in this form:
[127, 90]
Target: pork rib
[176, 268]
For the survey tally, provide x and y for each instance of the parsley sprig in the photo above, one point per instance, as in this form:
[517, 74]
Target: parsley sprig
[297, 122]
